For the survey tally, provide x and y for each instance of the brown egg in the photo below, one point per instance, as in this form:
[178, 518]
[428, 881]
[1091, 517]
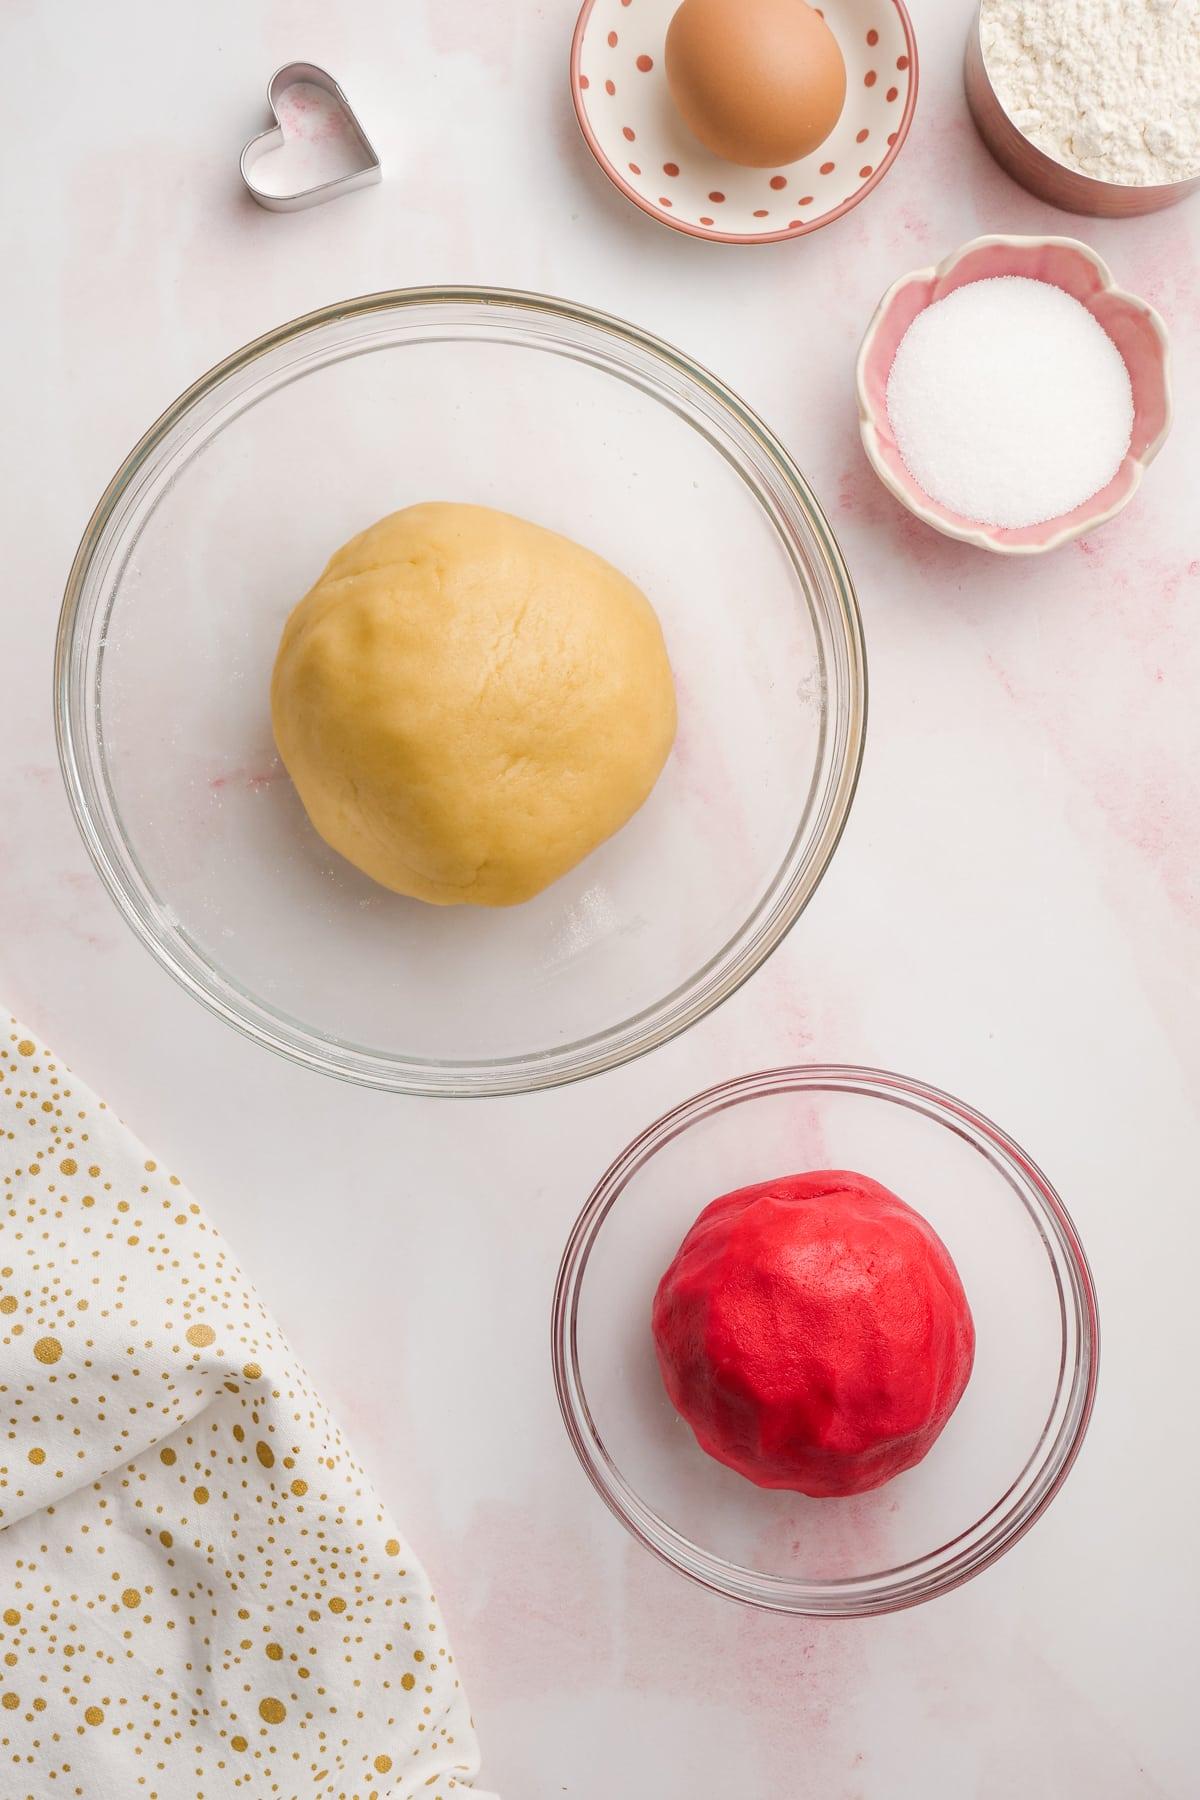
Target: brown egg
[760, 82]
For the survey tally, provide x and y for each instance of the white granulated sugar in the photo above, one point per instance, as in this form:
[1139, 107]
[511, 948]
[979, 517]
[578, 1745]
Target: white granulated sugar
[1009, 403]
[1108, 87]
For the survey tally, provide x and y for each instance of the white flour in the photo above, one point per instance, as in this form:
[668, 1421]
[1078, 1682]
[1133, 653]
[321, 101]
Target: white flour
[1108, 87]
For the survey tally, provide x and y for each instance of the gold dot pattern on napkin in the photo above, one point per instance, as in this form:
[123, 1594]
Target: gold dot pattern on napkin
[200, 1594]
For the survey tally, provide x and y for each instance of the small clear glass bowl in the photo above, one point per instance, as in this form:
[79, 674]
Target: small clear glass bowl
[1006, 1449]
[226, 512]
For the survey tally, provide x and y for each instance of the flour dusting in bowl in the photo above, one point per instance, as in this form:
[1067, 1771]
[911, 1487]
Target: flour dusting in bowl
[1105, 87]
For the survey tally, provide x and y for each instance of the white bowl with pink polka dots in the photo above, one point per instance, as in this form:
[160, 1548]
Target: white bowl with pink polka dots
[632, 128]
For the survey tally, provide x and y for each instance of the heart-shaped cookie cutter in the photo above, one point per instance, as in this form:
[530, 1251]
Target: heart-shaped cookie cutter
[371, 169]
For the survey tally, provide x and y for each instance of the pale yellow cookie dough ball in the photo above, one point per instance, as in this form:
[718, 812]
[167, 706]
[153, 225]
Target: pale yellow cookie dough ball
[468, 704]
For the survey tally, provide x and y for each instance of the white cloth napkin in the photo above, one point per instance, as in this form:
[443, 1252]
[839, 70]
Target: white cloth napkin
[200, 1594]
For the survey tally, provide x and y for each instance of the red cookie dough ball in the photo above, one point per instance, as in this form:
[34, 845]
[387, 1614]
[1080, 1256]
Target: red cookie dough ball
[813, 1332]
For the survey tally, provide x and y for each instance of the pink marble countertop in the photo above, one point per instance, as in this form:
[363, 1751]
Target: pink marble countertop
[1014, 913]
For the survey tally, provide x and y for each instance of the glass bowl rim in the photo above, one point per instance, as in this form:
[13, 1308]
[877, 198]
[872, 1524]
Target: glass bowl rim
[934, 1573]
[111, 852]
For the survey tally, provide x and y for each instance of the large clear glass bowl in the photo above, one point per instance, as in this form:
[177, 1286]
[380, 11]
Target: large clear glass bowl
[226, 512]
[1007, 1447]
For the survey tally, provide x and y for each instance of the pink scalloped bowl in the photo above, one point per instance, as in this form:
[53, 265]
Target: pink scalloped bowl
[633, 130]
[1134, 327]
